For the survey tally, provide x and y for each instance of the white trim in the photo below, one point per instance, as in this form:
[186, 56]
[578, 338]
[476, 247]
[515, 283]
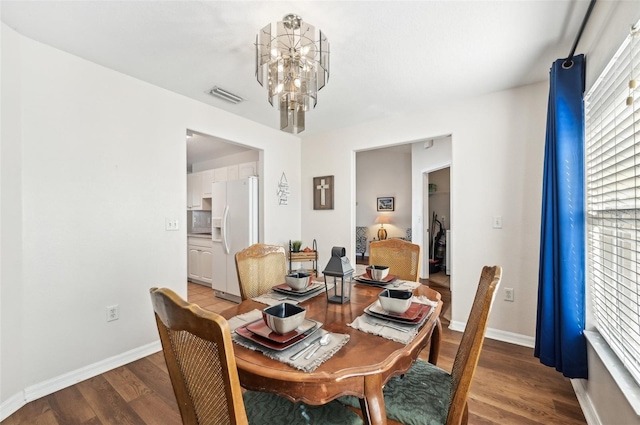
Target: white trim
[50, 386]
[627, 384]
[454, 325]
[11, 405]
[504, 336]
[588, 409]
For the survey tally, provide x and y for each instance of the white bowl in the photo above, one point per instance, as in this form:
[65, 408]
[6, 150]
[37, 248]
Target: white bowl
[284, 317]
[298, 281]
[378, 272]
[395, 300]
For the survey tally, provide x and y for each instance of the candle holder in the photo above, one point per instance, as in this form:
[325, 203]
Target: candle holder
[340, 271]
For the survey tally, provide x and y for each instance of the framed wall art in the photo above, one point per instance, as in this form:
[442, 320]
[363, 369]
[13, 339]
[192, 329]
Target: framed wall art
[386, 204]
[323, 193]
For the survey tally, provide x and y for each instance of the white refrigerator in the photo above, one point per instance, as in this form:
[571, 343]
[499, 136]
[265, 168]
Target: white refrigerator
[234, 226]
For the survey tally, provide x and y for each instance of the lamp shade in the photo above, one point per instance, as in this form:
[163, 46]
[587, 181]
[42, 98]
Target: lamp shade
[383, 219]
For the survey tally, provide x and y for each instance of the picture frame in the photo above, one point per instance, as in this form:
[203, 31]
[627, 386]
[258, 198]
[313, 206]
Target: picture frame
[386, 203]
[323, 193]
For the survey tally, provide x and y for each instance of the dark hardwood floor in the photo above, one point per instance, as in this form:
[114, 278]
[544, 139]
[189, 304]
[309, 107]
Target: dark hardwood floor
[510, 387]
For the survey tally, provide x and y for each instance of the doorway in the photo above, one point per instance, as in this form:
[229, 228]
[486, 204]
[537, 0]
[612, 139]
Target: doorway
[213, 164]
[438, 233]
[409, 170]
[382, 175]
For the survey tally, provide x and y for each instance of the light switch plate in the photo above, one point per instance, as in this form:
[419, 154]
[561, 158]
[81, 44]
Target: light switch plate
[497, 222]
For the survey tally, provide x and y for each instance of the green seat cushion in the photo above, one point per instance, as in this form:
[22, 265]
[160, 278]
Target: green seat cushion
[420, 397]
[270, 409]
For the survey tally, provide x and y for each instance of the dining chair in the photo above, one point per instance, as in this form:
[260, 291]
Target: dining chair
[199, 354]
[259, 268]
[402, 257]
[427, 394]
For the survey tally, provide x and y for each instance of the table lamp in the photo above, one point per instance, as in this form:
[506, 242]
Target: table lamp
[382, 232]
[341, 271]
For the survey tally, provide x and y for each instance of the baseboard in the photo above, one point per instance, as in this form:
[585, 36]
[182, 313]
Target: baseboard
[504, 336]
[586, 405]
[11, 405]
[50, 386]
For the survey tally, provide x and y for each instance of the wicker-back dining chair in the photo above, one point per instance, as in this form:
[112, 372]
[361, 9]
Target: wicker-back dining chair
[260, 267]
[402, 257]
[199, 353]
[428, 395]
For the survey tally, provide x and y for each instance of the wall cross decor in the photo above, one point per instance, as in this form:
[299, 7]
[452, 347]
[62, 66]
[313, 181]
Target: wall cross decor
[323, 193]
[283, 190]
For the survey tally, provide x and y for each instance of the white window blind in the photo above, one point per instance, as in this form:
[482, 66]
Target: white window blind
[612, 136]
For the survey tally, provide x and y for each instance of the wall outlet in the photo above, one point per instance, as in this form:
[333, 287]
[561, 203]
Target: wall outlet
[113, 313]
[171, 224]
[508, 294]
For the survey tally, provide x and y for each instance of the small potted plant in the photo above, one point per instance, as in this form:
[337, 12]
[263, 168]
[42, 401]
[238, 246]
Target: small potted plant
[295, 246]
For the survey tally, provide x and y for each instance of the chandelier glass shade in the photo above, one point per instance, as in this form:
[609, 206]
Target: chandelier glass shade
[293, 60]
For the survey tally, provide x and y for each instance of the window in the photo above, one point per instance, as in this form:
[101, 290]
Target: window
[612, 136]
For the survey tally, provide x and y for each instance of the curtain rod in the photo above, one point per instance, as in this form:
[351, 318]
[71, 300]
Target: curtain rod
[568, 62]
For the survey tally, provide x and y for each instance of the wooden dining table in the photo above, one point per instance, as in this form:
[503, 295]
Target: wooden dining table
[360, 368]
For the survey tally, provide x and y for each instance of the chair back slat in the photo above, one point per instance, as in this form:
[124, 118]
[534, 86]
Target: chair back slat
[402, 257]
[199, 354]
[466, 360]
[259, 268]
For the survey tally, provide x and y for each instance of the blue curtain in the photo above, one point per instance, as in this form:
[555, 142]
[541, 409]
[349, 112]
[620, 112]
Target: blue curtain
[560, 341]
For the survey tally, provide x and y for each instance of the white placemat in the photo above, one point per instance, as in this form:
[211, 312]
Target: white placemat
[323, 354]
[395, 331]
[243, 319]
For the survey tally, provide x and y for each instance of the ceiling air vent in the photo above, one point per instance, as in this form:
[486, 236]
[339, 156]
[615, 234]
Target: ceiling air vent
[225, 95]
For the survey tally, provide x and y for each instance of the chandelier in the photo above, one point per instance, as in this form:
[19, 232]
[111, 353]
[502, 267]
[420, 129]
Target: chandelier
[295, 63]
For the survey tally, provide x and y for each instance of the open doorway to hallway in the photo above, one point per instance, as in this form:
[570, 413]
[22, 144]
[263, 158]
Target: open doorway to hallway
[383, 196]
[402, 172]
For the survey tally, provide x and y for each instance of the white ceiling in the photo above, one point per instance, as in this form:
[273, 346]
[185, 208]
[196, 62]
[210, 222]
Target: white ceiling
[387, 57]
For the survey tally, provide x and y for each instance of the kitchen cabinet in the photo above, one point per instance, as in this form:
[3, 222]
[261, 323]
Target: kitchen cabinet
[200, 260]
[199, 183]
[247, 169]
[207, 180]
[232, 172]
[194, 191]
[220, 174]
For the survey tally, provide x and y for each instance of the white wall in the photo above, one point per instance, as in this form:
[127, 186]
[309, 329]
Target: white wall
[383, 173]
[497, 152]
[100, 163]
[11, 299]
